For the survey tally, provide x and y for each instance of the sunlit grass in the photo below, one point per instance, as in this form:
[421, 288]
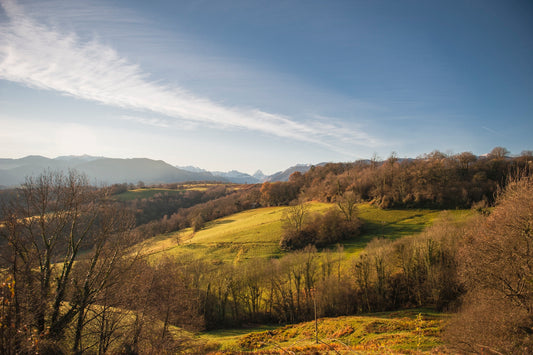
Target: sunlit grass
[412, 331]
[248, 234]
[256, 233]
[152, 191]
[145, 193]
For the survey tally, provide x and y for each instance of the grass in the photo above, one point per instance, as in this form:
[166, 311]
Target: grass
[389, 223]
[248, 234]
[403, 332]
[145, 193]
[152, 191]
[256, 233]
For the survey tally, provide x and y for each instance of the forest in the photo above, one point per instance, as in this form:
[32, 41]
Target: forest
[77, 276]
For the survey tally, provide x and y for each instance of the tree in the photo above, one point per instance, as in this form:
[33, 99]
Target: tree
[465, 159]
[496, 267]
[63, 241]
[347, 203]
[294, 217]
[499, 153]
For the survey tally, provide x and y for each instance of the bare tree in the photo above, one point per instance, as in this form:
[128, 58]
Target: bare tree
[499, 153]
[295, 216]
[347, 203]
[64, 239]
[496, 266]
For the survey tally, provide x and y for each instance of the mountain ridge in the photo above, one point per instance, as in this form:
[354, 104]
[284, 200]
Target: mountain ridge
[104, 170]
[101, 170]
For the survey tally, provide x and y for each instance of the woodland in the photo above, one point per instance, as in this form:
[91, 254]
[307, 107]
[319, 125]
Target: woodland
[78, 276]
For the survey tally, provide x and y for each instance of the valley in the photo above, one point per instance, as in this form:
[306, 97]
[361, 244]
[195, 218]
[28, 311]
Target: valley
[370, 257]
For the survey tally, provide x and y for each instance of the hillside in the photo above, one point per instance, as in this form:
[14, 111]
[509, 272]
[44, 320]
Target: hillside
[253, 233]
[256, 233]
[404, 332]
[343, 242]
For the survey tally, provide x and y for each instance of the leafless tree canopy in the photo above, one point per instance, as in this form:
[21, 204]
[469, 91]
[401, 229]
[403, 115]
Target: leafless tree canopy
[497, 269]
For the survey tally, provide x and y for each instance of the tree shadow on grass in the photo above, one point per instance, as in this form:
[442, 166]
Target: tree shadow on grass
[390, 230]
[218, 222]
[371, 230]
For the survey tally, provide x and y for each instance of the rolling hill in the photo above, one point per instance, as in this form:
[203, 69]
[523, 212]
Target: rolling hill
[257, 232]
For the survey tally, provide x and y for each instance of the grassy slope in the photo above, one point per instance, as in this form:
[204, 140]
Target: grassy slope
[143, 193]
[413, 331]
[149, 192]
[256, 233]
[394, 223]
[253, 233]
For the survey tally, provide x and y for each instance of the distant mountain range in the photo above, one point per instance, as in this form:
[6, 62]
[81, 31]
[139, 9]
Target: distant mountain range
[257, 177]
[102, 170]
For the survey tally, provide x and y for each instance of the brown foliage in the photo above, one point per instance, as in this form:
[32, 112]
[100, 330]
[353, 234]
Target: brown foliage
[433, 180]
[318, 229]
[497, 269]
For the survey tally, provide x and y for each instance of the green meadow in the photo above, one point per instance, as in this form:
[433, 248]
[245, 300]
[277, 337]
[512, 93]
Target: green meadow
[256, 233]
[404, 332]
[145, 193]
[150, 192]
[248, 234]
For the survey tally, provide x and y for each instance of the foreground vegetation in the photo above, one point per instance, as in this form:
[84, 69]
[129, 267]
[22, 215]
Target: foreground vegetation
[98, 270]
[413, 331]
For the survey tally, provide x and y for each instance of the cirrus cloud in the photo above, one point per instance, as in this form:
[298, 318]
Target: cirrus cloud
[44, 57]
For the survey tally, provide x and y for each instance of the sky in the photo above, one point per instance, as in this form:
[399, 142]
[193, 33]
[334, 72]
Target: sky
[264, 84]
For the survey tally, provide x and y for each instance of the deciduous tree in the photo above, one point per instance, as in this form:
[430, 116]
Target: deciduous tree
[63, 239]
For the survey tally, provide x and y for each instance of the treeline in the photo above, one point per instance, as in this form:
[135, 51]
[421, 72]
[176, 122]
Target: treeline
[435, 180]
[388, 275]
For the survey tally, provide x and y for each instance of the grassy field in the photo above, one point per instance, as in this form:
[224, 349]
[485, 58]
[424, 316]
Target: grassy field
[248, 234]
[144, 193]
[152, 191]
[256, 233]
[404, 332]
[395, 223]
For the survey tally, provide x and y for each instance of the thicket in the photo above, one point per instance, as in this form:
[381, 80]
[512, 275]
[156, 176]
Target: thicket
[496, 267]
[301, 229]
[434, 180]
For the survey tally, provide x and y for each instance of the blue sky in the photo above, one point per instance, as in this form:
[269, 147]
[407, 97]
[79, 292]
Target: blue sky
[265, 85]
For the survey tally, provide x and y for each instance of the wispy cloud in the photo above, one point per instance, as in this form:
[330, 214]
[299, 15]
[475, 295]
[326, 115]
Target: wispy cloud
[156, 122]
[490, 130]
[40, 56]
